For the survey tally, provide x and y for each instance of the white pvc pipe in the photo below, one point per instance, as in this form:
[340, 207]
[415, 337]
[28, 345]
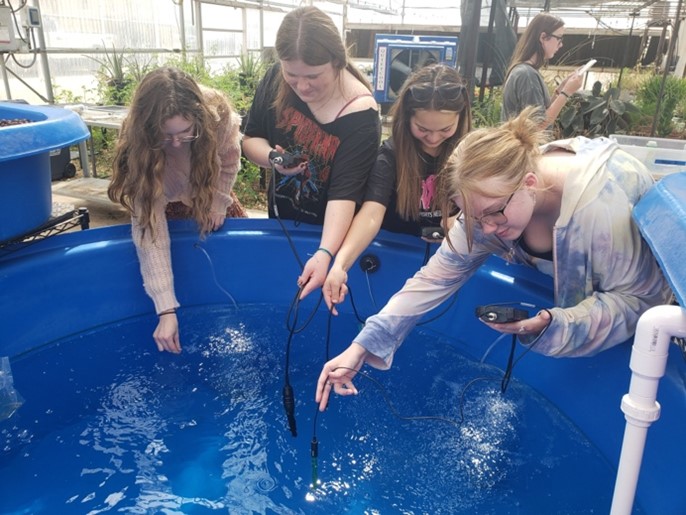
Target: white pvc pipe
[654, 331]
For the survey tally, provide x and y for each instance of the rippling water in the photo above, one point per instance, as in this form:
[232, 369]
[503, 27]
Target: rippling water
[111, 425]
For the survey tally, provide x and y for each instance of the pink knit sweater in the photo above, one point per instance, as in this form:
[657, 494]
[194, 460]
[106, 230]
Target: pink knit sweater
[155, 255]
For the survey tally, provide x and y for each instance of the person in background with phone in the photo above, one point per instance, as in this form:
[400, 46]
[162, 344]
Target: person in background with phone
[524, 84]
[177, 156]
[563, 208]
[430, 116]
[316, 105]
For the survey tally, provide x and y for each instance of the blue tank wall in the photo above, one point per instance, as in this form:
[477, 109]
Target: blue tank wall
[74, 282]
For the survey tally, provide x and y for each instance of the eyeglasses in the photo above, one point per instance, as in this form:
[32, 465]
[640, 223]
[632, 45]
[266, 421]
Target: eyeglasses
[181, 138]
[559, 38]
[496, 217]
[426, 91]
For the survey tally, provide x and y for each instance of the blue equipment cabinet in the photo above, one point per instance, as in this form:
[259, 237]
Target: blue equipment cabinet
[397, 55]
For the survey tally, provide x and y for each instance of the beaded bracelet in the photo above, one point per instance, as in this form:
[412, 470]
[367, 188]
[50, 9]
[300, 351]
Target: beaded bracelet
[325, 251]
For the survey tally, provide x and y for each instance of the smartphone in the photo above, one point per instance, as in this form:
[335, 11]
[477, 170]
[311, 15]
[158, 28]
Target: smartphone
[433, 233]
[586, 66]
[499, 314]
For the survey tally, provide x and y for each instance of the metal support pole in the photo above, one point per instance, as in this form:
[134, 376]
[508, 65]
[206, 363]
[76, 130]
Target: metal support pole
[487, 57]
[665, 72]
[5, 79]
[469, 41]
[182, 30]
[244, 24]
[626, 50]
[45, 67]
[198, 29]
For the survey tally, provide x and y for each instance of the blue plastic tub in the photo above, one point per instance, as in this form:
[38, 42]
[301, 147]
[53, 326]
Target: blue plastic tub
[96, 275]
[25, 174]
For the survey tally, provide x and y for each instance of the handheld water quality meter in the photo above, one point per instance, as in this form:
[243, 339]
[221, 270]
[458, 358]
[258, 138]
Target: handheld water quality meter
[498, 314]
[434, 233]
[285, 159]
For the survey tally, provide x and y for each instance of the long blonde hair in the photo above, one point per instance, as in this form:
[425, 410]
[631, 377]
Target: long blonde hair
[139, 160]
[507, 152]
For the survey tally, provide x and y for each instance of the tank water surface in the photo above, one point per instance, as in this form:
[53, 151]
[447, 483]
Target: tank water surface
[138, 431]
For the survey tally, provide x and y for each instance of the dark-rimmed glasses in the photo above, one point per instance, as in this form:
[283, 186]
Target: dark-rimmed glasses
[425, 91]
[559, 38]
[496, 217]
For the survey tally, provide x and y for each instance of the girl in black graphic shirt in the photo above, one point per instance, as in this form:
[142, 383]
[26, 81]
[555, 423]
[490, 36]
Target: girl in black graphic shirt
[316, 105]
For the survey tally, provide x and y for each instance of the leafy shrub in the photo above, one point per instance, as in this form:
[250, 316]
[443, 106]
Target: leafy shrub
[673, 95]
[486, 113]
[591, 116]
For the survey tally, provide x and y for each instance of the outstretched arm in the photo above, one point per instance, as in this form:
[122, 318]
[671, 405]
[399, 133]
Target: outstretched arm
[337, 219]
[364, 228]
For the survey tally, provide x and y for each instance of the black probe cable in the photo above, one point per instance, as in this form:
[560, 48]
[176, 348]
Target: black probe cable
[287, 392]
[392, 408]
[314, 444]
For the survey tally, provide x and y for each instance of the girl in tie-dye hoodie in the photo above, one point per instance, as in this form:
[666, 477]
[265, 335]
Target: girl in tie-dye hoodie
[563, 208]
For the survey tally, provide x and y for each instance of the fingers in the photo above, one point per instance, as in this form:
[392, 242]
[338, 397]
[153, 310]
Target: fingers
[219, 222]
[166, 334]
[529, 326]
[337, 374]
[334, 293]
[313, 275]
[310, 286]
[340, 386]
[322, 393]
[175, 346]
[335, 288]
[344, 388]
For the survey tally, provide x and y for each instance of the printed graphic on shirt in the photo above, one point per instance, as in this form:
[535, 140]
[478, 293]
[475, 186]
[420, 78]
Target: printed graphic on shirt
[305, 191]
[428, 192]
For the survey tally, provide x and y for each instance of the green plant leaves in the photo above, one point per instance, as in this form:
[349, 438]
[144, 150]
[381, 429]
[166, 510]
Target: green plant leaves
[589, 115]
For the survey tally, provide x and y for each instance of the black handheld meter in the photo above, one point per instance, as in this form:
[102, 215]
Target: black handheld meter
[498, 314]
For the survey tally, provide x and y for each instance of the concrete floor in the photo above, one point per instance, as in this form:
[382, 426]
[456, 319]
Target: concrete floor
[91, 193]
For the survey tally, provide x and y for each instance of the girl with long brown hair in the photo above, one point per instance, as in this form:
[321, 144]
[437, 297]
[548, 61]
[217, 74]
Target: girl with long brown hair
[524, 84]
[177, 156]
[430, 116]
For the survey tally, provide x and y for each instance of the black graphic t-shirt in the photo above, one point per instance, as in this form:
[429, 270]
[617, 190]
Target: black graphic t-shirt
[339, 154]
[381, 188]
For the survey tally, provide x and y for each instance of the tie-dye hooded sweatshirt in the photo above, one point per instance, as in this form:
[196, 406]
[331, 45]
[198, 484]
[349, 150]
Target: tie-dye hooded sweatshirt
[604, 273]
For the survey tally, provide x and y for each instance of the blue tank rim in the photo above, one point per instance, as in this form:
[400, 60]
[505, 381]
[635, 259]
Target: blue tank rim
[51, 128]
